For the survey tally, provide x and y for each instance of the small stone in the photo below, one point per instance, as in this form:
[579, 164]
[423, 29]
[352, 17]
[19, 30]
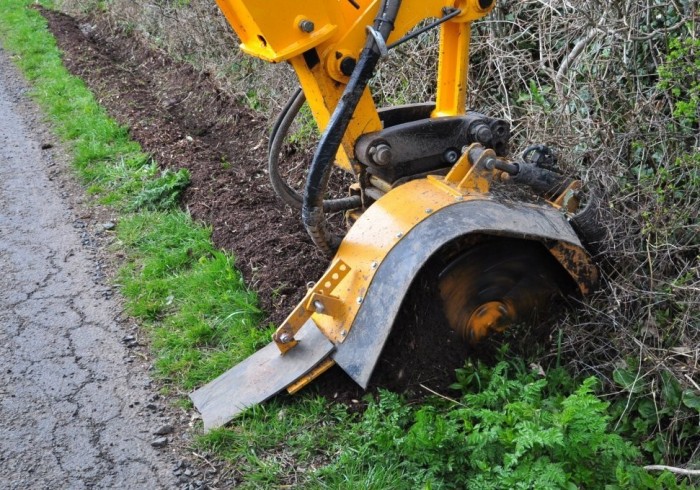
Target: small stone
[159, 442]
[164, 430]
[188, 472]
[109, 225]
[128, 338]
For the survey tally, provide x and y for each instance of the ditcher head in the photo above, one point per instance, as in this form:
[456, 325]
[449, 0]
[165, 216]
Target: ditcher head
[347, 316]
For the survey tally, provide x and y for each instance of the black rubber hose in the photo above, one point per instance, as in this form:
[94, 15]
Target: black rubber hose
[319, 172]
[277, 137]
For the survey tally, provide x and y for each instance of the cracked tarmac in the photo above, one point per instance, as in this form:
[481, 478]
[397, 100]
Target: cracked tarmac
[72, 407]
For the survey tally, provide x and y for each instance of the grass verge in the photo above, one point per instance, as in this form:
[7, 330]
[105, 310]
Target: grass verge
[188, 293]
[509, 428]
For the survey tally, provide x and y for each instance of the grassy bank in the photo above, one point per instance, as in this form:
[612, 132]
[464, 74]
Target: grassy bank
[508, 427]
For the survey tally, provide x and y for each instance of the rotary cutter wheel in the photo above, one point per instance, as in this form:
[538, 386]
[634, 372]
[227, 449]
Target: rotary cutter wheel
[498, 283]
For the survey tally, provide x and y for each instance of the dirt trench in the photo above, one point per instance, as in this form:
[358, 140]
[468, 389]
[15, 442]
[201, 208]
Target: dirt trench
[183, 120]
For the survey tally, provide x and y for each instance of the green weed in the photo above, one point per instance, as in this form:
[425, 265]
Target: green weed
[162, 193]
[678, 77]
[511, 428]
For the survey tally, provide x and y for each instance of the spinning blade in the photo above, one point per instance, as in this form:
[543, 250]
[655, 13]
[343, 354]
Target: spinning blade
[498, 283]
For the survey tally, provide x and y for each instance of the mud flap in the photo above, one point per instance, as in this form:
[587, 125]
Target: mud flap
[359, 353]
[257, 378]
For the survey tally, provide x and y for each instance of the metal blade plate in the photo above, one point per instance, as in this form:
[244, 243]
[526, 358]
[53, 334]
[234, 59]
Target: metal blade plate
[262, 375]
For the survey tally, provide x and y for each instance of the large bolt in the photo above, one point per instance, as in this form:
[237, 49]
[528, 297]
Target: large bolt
[381, 154]
[347, 65]
[306, 26]
[451, 156]
[319, 307]
[484, 135]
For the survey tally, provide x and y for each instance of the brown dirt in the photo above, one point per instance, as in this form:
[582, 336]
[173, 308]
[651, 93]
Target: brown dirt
[183, 119]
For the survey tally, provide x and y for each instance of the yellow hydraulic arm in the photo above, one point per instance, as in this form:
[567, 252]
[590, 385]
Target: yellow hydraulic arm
[322, 40]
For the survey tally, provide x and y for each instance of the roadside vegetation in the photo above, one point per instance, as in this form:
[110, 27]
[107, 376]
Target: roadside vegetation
[622, 108]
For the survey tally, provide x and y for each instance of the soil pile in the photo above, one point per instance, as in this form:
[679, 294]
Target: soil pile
[179, 116]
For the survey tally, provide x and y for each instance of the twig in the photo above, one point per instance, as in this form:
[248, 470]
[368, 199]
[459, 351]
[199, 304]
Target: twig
[205, 460]
[571, 57]
[444, 397]
[692, 381]
[672, 469]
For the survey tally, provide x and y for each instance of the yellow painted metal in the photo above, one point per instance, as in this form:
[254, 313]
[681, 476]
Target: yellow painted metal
[321, 291]
[577, 264]
[323, 366]
[278, 35]
[378, 231]
[468, 176]
[382, 226]
[386, 222]
[453, 67]
[339, 31]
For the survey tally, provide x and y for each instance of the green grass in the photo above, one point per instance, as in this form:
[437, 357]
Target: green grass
[204, 319]
[201, 316]
[509, 427]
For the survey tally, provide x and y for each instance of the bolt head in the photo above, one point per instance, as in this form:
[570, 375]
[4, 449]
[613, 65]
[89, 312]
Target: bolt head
[451, 156]
[381, 154]
[319, 307]
[347, 65]
[306, 26]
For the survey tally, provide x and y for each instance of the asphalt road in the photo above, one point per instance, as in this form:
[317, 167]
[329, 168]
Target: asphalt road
[73, 403]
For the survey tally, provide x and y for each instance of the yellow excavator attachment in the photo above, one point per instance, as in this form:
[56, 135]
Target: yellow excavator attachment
[425, 178]
[525, 254]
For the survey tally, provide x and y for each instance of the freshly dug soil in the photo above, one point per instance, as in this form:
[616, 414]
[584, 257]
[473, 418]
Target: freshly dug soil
[181, 117]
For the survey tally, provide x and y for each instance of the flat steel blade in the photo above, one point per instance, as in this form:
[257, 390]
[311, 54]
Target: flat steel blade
[262, 375]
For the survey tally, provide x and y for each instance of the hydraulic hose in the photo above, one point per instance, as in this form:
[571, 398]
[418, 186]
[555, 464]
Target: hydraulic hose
[277, 137]
[319, 172]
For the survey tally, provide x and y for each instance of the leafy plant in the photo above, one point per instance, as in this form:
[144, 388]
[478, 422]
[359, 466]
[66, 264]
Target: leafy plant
[511, 428]
[658, 415]
[162, 193]
[679, 78]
